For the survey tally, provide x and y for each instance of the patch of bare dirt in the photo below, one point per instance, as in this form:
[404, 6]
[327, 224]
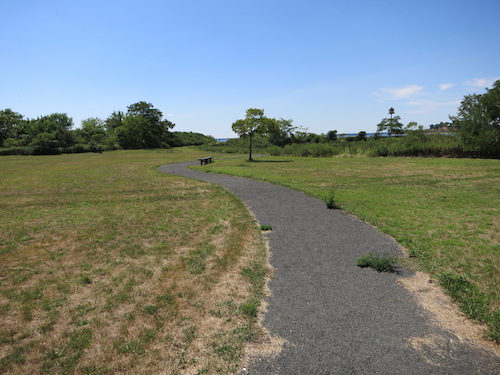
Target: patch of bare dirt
[447, 316]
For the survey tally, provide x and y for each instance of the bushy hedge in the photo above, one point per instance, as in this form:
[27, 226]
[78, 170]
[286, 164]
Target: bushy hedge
[16, 151]
[180, 139]
[75, 149]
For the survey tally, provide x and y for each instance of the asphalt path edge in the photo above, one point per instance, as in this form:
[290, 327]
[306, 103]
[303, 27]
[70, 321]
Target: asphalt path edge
[336, 318]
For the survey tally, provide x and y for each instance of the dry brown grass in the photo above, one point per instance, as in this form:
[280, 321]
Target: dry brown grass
[109, 267]
[445, 315]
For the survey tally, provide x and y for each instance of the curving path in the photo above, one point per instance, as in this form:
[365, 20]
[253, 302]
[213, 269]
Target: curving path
[336, 317]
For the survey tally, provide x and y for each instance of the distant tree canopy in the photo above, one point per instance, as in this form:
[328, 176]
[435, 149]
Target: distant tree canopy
[282, 133]
[361, 136]
[331, 136]
[114, 120]
[45, 134]
[476, 125]
[179, 139]
[8, 121]
[478, 122]
[93, 131]
[141, 127]
[447, 126]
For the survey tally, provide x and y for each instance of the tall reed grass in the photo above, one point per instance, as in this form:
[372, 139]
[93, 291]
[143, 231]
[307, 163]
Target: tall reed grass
[411, 145]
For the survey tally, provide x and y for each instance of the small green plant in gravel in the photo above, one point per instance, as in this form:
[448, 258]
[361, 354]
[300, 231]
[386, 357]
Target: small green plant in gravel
[380, 263]
[330, 200]
[266, 227]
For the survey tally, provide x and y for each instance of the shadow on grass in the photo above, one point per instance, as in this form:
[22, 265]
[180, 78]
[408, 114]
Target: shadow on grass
[269, 161]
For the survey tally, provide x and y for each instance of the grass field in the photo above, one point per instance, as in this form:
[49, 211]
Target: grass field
[109, 266]
[446, 212]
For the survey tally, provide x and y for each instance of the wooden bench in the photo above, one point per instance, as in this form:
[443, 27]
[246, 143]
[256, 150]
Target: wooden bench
[206, 160]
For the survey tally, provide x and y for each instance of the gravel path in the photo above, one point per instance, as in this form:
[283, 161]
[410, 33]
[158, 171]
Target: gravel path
[338, 318]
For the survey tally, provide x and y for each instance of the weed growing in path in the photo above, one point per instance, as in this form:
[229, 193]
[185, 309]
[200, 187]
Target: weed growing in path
[380, 263]
[330, 201]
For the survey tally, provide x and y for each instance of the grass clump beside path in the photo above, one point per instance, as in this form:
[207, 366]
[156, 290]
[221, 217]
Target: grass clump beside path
[109, 266]
[380, 263]
[444, 211]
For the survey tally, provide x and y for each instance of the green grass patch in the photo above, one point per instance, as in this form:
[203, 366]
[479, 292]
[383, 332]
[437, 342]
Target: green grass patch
[380, 263]
[256, 274]
[330, 200]
[471, 300]
[250, 308]
[445, 212]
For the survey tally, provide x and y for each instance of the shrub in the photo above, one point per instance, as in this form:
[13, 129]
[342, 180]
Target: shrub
[75, 149]
[275, 150]
[16, 151]
[306, 149]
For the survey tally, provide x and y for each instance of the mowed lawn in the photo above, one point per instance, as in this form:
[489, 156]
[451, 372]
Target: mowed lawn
[109, 266]
[445, 212]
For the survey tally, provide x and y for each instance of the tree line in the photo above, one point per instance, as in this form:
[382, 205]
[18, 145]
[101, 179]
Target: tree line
[473, 132]
[141, 126]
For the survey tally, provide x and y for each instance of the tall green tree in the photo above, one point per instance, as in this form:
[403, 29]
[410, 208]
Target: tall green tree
[141, 127]
[114, 120]
[393, 125]
[8, 120]
[492, 102]
[255, 122]
[331, 136]
[283, 132]
[93, 131]
[478, 123]
[46, 134]
[361, 136]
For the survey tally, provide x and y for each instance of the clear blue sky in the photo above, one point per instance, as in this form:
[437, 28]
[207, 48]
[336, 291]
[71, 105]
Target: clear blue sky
[324, 64]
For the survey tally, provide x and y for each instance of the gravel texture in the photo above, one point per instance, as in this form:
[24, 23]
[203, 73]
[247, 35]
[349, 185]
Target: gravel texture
[338, 318]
